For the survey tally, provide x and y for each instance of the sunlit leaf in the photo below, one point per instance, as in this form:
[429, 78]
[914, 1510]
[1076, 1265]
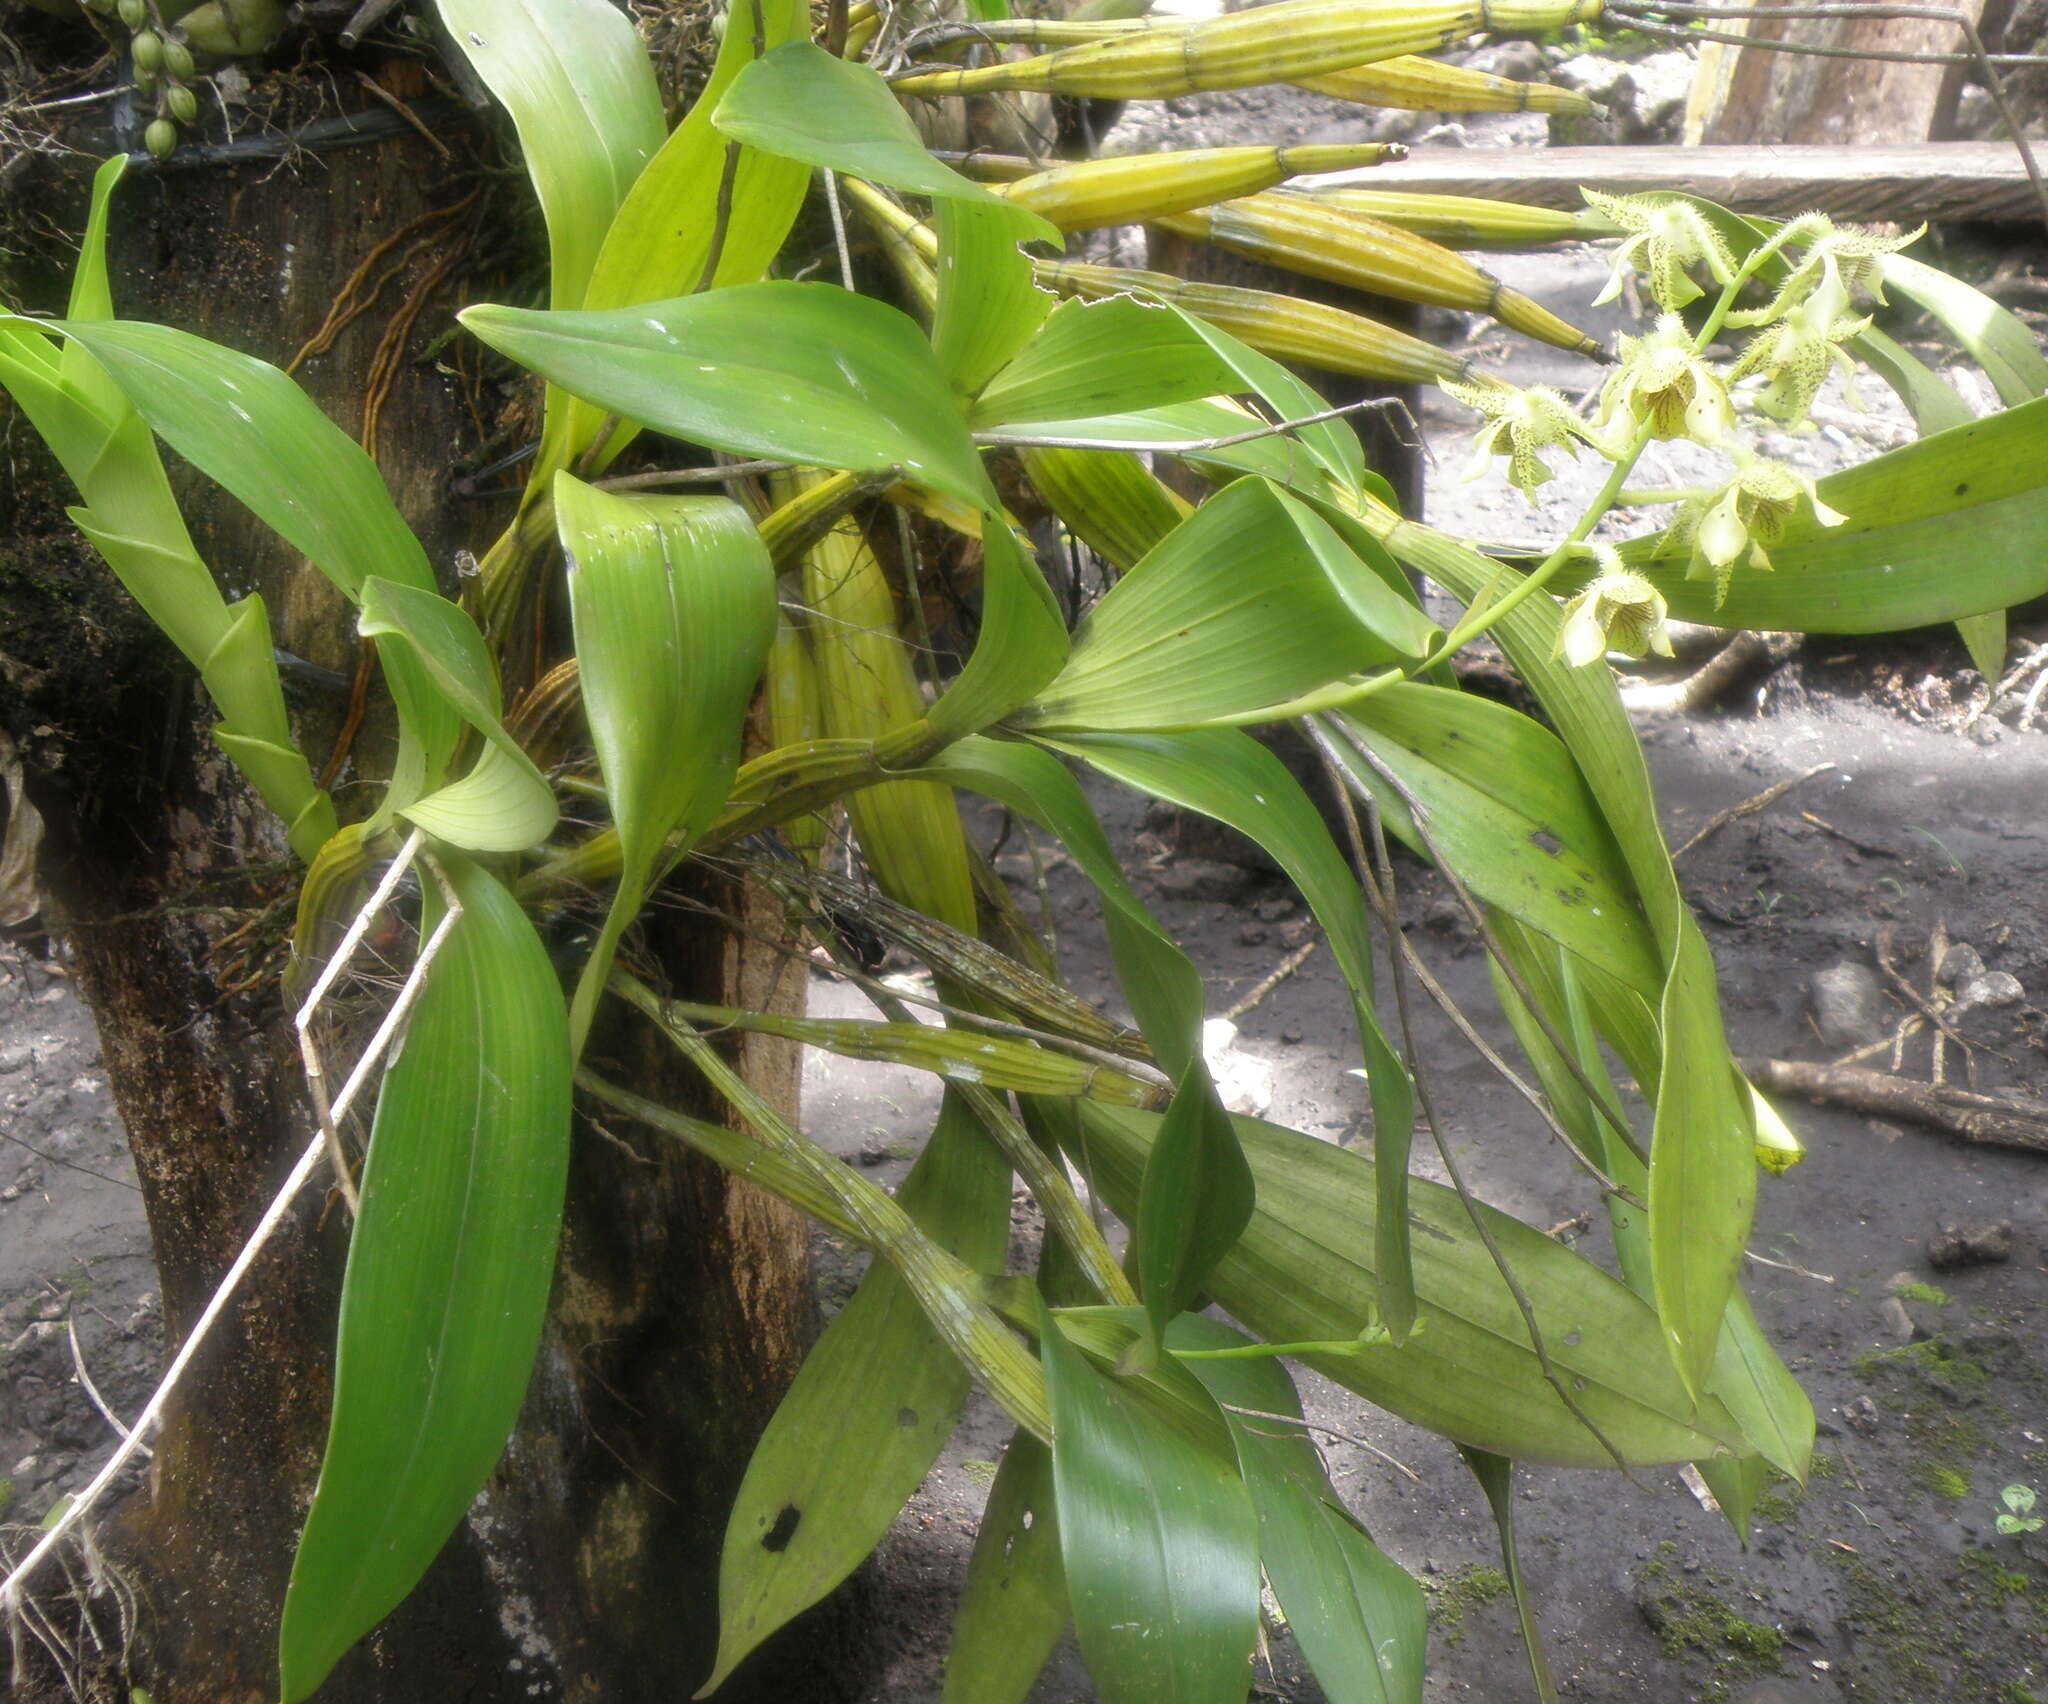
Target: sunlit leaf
[582, 94]
[1193, 633]
[803, 372]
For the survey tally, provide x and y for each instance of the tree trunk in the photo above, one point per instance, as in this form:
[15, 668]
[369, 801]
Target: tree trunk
[1786, 97]
[588, 1569]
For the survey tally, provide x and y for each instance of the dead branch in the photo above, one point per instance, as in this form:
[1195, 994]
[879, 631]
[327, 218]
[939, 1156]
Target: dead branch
[1991, 1119]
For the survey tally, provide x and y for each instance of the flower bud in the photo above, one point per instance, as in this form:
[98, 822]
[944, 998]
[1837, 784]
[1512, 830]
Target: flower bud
[160, 138]
[178, 60]
[148, 50]
[181, 103]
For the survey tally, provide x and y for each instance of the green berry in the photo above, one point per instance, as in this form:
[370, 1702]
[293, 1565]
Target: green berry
[160, 138]
[178, 60]
[148, 50]
[182, 103]
[133, 13]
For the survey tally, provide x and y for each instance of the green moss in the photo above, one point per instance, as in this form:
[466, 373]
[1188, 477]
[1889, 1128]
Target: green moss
[1825, 1467]
[1932, 1294]
[1957, 1639]
[1932, 1357]
[2018, 1694]
[6, 1497]
[1780, 1502]
[1691, 1621]
[1942, 1480]
[1457, 1593]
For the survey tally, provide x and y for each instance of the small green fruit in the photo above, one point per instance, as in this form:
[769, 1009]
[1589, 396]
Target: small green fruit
[133, 13]
[181, 103]
[148, 50]
[178, 60]
[160, 138]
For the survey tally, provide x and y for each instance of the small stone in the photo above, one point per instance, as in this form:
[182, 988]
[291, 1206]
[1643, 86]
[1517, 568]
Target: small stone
[1202, 879]
[13, 1059]
[1251, 935]
[1969, 1245]
[1292, 1035]
[1862, 1415]
[1521, 60]
[1849, 1005]
[1277, 909]
[1897, 1322]
[875, 1153]
[1884, 1128]
[1899, 1281]
[1961, 963]
[1994, 989]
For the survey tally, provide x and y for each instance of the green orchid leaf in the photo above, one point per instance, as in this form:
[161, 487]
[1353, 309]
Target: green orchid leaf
[1358, 1617]
[659, 242]
[1198, 1190]
[805, 373]
[1496, 1476]
[448, 1275]
[504, 804]
[250, 429]
[1996, 338]
[1158, 1539]
[1192, 634]
[1225, 774]
[1702, 1182]
[1014, 1601]
[673, 600]
[1090, 357]
[583, 96]
[806, 104]
[868, 1413]
[1507, 809]
[989, 303]
[1302, 1273]
[1022, 645]
[1195, 1201]
[1937, 530]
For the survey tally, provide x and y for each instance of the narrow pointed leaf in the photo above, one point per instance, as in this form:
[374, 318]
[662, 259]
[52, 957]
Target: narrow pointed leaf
[871, 1407]
[1302, 1272]
[1496, 1476]
[807, 373]
[582, 94]
[1022, 644]
[250, 429]
[1196, 1198]
[1507, 809]
[1360, 1620]
[504, 804]
[809, 105]
[1095, 357]
[1014, 1601]
[658, 244]
[673, 600]
[2008, 352]
[989, 303]
[1937, 530]
[1228, 775]
[1702, 1186]
[448, 1275]
[1159, 1542]
[1193, 633]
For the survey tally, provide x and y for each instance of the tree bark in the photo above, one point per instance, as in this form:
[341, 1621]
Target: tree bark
[588, 1569]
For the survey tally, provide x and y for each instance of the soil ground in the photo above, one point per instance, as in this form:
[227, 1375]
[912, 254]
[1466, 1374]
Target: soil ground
[1883, 1581]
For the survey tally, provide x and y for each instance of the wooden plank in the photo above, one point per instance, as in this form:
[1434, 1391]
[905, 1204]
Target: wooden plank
[1902, 182]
